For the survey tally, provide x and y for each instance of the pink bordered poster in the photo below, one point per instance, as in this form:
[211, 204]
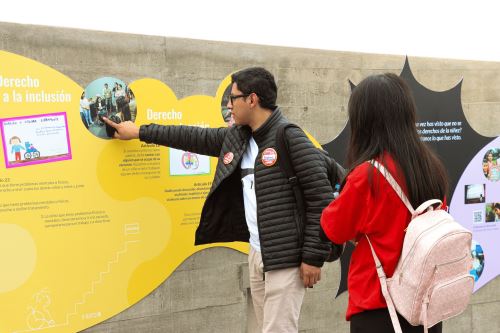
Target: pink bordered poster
[35, 139]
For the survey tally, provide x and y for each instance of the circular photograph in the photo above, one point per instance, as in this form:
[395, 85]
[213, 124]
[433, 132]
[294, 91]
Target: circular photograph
[225, 111]
[478, 260]
[106, 97]
[491, 169]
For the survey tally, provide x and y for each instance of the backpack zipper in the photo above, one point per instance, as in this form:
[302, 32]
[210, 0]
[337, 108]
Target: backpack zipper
[452, 261]
[436, 269]
[411, 252]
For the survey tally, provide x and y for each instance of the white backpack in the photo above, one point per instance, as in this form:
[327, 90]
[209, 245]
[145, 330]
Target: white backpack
[431, 282]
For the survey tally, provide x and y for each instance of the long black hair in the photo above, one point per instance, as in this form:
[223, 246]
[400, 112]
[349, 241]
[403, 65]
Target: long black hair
[382, 115]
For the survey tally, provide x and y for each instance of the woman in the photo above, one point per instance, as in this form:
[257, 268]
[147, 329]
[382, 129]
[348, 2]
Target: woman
[119, 92]
[382, 123]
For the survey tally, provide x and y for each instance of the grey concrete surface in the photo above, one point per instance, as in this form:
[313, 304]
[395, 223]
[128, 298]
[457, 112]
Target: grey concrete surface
[313, 91]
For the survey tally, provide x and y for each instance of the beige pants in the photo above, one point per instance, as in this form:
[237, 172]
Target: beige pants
[277, 298]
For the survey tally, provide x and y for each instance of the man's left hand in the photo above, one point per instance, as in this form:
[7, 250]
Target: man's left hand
[310, 275]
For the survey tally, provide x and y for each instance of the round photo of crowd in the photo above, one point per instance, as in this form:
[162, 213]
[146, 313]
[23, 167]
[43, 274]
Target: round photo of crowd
[106, 97]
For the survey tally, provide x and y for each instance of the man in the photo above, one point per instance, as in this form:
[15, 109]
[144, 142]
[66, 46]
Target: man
[251, 199]
[107, 95]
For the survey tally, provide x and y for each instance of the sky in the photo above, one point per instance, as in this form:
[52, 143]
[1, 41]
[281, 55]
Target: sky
[439, 28]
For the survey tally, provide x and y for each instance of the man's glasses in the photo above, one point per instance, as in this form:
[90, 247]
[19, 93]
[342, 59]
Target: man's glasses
[233, 97]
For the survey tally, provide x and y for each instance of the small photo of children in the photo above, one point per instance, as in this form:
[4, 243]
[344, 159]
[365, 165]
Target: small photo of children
[226, 113]
[493, 212]
[106, 97]
[491, 168]
[474, 193]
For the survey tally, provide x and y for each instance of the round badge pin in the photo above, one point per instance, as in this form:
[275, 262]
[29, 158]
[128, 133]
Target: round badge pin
[228, 158]
[269, 157]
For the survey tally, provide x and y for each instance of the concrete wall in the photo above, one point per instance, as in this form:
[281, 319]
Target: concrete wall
[209, 291]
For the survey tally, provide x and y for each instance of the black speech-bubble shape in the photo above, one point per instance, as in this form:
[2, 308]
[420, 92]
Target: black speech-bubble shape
[432, 106]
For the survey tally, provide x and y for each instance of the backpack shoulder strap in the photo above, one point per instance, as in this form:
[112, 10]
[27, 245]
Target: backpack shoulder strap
[282, 145]
[385, 290]
[286, 165]
[394, 184]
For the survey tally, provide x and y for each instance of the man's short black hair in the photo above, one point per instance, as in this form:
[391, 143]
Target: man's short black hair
[260, 81]
[497, 205]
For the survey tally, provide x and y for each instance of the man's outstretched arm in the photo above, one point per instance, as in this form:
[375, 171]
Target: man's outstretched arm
[205, 141]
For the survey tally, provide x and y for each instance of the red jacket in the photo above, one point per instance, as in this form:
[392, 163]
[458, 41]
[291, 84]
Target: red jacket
[380, 214]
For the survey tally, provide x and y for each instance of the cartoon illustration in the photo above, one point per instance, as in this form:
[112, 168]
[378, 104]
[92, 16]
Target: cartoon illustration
[31, 151]
[183, 163]
[35, 139]
[38, 314]
[190, 161]
[15, 141]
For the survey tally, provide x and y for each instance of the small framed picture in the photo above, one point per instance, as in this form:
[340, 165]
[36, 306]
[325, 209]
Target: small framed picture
[35, 139]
